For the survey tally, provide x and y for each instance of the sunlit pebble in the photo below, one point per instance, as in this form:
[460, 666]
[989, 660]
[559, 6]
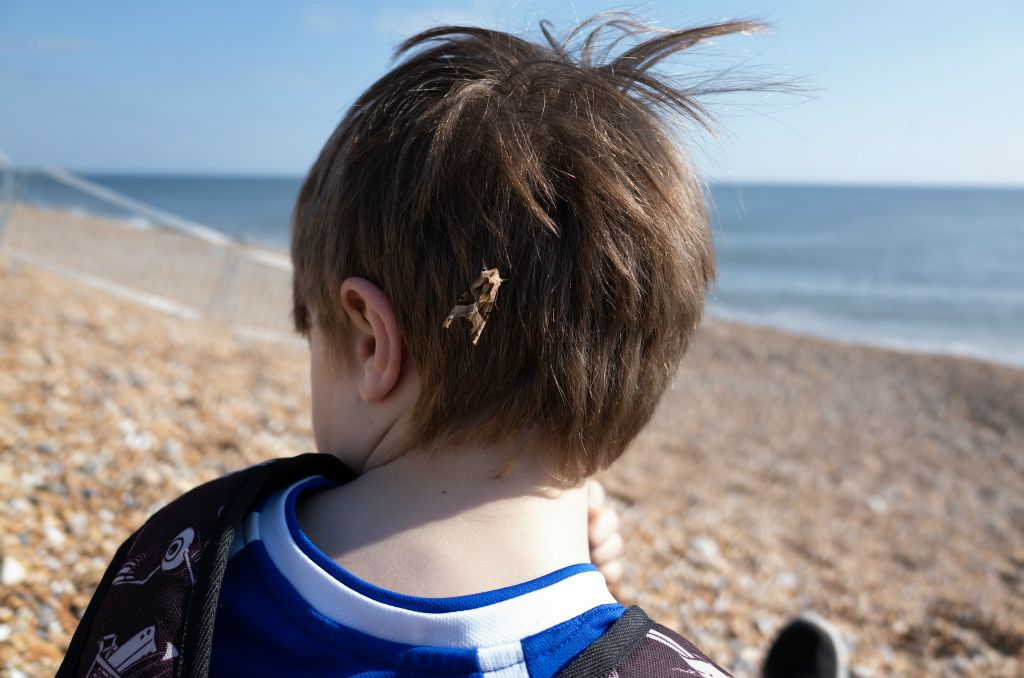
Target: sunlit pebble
[149, 475]
[44, 615]
[787, 580]
[54, 536]
[19, 505]
[139, 441]
[705, 549]
[746, 663]
[722, 604]
[174, 450]
[77, 524]
[32, 480]
[12, 572]
[58, 489]
[901, 627]
[44, 448]
[765, 624]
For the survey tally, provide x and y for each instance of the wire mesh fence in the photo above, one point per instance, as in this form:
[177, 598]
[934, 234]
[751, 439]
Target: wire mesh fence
[99, 237]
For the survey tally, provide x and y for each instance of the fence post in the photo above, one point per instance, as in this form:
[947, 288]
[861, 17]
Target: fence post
[220, 295]
[7, 179]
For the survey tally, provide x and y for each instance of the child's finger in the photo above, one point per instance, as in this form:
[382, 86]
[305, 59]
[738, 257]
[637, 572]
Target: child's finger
[607, 551]
[603, 524]
[595, 495]
[612, 571]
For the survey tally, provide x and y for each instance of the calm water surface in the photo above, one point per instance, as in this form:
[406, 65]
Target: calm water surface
[935, 269]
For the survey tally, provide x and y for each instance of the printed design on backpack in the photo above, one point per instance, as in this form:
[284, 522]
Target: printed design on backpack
[699, 665]
[175, 556]
[140, 655]
[134, 657]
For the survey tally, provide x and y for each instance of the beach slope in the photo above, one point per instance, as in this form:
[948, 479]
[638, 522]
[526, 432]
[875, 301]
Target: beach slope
[884, 490]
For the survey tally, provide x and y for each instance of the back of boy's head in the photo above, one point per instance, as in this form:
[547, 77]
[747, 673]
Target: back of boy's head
[555, 163]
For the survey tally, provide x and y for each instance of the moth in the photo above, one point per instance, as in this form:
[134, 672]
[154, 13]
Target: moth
[476, 304]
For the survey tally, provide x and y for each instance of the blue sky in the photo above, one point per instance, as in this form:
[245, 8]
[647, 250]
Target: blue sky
[905, 92]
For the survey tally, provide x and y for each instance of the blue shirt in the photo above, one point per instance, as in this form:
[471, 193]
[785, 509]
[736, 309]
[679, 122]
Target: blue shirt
[286, 608]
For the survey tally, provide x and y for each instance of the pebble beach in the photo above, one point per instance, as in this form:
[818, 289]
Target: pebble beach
[882, 490]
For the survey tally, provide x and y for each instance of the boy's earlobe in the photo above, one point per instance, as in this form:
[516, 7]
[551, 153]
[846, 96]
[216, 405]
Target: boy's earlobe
[376, 335]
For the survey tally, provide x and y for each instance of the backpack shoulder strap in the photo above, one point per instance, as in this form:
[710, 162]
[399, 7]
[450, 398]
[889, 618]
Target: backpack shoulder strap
[602, 656]
[636, 647]
[154, 610]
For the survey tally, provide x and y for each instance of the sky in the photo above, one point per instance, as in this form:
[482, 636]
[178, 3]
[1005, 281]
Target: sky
[894, 92]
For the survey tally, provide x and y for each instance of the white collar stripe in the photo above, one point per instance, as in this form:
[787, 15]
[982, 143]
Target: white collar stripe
[515, 671]
[499, 657]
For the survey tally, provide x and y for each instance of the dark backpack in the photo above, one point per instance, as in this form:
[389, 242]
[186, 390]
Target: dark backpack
[131, 629]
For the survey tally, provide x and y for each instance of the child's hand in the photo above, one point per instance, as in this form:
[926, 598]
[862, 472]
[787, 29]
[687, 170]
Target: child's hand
[605, 540]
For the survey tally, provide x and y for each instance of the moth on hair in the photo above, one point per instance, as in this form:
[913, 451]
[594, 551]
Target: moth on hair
[475, 305]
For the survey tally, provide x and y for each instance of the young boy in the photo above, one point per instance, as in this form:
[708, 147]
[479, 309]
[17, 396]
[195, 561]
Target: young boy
[500, 258]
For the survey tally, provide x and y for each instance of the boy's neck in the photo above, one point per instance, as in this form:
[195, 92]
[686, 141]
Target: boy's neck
[441, 525]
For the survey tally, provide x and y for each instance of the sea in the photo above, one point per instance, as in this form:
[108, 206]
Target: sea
[933, 269]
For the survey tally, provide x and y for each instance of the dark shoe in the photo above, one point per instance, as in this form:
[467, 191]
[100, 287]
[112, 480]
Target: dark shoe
[807, 647]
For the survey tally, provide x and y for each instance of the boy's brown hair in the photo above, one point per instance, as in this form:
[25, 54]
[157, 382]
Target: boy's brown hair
[555, 163]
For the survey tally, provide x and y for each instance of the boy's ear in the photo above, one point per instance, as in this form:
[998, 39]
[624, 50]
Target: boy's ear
[377, 341]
